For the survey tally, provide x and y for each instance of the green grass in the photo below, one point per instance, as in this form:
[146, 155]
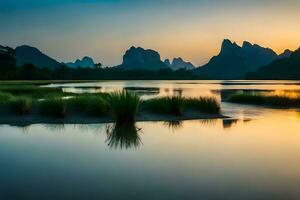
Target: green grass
[5, 97]
[94, 105]
[261, 99]
[124, 106]
[21, 105]
[207, 105]
[54, 107]
[165, 105]
[176, 105]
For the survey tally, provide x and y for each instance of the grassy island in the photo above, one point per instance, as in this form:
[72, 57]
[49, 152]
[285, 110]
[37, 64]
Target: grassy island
[265, 100]
[39, 104]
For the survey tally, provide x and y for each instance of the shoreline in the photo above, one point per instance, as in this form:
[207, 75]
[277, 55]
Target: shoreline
[26, 120]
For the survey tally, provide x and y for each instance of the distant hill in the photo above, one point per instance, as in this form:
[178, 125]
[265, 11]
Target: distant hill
[234, 61]
[139, 58]
[84, 63]
[7, 57]
[179, 63]
[27, 54]
[284, 68]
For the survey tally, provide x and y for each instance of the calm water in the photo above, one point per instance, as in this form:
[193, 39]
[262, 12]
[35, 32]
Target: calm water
[253, 155]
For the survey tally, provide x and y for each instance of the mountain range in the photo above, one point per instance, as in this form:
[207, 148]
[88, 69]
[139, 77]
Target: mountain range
[83, 63]
[179, 63]
[284, 68]
[234, 61]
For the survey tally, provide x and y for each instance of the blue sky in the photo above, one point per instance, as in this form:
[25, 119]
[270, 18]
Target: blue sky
[192, 29]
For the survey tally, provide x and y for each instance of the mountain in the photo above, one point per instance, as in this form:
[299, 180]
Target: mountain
[284, 68]
[234, 61]
[84, 63]
[287, 53]
[139, 58]
[27, 54]
[7, 57]
[179, 63]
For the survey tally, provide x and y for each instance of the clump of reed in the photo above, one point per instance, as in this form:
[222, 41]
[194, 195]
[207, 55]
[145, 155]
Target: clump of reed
[94, 105]
[54, 107]
[21, 105]
[175, 105]
[124, 106]
[5, 97]
[207, 105]
[165, 105]
[269, 100]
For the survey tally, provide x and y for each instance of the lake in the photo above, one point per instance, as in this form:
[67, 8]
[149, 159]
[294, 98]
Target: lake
[252, 155]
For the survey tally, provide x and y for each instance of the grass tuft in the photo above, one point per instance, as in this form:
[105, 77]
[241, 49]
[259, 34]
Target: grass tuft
[5, 97]
[55, 107]
[21, 105]
[207, 105]
[124, 106]
[165, 105]
[94, 105]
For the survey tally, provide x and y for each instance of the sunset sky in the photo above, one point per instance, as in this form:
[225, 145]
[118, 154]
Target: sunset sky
[191, 29]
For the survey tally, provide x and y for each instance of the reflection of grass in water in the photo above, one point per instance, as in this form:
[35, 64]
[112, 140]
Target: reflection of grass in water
[174, 125]
[55, 127]
[123, 136]
[228, 123]
[208, 122]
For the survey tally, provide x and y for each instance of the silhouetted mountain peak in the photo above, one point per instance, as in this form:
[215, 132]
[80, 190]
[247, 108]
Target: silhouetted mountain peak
[228, 46]
[167, 62]
[235, 61]
[28, 54]
[179, 63]
[287, 53]
[247, 44]
[85, 62]
[139, 58]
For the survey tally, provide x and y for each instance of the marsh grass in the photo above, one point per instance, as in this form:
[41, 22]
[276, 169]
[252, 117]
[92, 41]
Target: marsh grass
[269, 100]
[165, 105]
[207, 105]
[176, 105]
[124, 106]
[54, 107]
[5, 97]
[21, 105]
[95, 105]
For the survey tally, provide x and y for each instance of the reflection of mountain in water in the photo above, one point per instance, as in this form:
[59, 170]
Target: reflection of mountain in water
[123, 136]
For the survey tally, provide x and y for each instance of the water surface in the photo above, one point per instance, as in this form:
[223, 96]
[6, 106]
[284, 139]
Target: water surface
[253, 155]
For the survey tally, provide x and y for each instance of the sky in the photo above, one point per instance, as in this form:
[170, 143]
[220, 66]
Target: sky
[104, 29]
